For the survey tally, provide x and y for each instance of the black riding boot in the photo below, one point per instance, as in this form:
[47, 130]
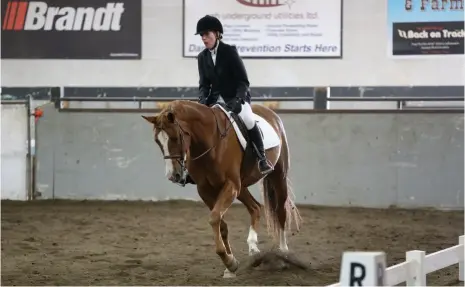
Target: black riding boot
[256, 138]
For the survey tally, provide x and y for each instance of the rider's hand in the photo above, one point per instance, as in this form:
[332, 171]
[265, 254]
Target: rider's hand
[236, 105]
[202, 100]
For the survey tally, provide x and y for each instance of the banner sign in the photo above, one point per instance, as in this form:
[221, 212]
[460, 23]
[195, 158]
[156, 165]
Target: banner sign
[270, 28]
[426, 27]
[71, 29]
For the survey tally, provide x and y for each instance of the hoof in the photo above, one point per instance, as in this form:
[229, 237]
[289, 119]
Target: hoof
[233, 266]
[229, 274]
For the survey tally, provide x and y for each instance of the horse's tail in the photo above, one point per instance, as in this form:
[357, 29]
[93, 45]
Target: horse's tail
[278, 195]
[292, 212]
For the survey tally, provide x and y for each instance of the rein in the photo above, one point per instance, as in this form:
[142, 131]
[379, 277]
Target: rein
[222, 135]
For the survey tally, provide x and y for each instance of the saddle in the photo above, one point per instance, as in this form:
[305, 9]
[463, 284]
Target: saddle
[249, 157]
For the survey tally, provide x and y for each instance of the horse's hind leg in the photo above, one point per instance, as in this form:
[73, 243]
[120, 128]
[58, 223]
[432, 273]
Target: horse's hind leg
[253, 207]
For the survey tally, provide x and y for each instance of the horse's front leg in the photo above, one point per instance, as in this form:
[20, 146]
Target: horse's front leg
[223, 202]
[209, 200]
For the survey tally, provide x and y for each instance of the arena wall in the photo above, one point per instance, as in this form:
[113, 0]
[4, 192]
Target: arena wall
[374, 159]
[14, 139]
[365, 50]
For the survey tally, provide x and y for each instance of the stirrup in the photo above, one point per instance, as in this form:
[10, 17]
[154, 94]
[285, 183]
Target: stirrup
[262, 160]
[266, 165]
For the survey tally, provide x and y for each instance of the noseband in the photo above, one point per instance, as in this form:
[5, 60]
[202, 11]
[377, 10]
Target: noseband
[181, 157]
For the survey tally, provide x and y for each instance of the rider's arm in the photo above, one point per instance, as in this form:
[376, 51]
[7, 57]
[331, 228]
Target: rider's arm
[204, 82]
[240, 73]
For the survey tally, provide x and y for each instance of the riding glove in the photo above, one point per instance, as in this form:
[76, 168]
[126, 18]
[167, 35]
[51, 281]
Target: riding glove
[235, 105]
[202, 100]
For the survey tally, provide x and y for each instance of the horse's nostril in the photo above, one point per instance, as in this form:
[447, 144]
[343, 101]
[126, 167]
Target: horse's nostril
[177, 177]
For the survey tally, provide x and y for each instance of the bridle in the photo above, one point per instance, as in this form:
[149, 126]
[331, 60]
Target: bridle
[181, 158]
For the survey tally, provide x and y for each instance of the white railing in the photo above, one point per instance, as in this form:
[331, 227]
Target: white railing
[417, 265]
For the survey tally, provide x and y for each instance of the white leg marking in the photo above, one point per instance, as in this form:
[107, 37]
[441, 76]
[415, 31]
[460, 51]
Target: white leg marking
[252, 241]
[163, 138]
[228, 274]
[283, 241]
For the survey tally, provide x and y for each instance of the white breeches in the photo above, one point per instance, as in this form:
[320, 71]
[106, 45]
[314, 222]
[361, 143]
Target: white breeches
[246, 115]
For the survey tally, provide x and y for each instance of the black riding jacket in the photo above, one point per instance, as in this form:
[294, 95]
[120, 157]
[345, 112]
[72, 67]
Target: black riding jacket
[227, 78]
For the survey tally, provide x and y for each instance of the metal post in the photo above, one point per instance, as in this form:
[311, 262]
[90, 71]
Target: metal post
[27, 104]
[320, 98]
[29, 156]
[34, 160]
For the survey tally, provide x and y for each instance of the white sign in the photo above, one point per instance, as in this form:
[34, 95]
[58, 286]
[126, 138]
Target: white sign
[363, 269]
[270, 28]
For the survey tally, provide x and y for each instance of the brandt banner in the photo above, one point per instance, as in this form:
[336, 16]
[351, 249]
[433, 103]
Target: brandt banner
[270, 28]
[72, 29]
[426, 27]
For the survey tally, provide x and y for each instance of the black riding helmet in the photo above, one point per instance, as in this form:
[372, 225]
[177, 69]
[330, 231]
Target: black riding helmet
[209, 23]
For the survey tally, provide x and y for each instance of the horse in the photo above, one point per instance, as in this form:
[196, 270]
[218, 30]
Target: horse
[210, 143]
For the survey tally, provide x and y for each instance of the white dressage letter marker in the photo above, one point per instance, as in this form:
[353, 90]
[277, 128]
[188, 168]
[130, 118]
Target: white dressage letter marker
[163, 139]
[363, 269]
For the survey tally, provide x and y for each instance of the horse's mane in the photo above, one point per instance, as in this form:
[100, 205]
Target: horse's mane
[183, 108]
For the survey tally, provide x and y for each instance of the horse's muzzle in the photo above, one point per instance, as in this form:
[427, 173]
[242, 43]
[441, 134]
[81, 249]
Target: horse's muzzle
[176, 178]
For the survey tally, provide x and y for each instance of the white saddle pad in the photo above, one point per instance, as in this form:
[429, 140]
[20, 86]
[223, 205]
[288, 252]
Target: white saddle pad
[270, 137]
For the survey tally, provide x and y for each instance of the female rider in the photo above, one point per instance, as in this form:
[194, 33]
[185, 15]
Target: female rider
[222, 73]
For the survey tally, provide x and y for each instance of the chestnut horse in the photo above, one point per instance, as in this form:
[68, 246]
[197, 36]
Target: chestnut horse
[203, 141]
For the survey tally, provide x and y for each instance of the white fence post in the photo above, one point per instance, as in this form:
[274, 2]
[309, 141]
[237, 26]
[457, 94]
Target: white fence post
[417, 274]
[461, 262]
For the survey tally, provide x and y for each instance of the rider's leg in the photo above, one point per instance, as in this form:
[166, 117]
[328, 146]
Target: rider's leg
[247, 116]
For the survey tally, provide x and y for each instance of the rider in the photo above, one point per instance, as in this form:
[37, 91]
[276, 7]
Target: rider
[222, 72]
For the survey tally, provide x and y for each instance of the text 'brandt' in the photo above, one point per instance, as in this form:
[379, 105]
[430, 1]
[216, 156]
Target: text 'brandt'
[41, 17]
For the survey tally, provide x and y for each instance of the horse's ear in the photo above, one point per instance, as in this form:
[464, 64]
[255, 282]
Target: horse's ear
[170, 117]
[150, 119]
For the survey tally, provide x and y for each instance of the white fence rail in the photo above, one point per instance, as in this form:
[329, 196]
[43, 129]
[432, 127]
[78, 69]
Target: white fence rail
[413, 270]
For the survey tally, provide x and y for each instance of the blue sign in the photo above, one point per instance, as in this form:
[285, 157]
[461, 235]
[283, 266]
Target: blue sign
[426, 27]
